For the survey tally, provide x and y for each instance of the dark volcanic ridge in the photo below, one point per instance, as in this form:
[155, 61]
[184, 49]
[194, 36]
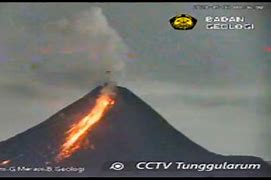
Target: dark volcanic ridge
[131, 131]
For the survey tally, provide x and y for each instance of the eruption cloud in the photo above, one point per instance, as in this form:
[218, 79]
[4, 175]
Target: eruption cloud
[87, 44]
[93, 23]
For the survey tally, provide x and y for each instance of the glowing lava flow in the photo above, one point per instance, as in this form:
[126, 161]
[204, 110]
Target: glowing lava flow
[78, 131]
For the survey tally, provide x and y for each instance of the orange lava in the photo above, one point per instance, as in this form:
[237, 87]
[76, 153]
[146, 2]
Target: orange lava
[5, 162]
[78, 131]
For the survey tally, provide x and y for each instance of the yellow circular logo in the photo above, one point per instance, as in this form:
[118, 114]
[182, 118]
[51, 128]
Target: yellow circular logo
[183, 22]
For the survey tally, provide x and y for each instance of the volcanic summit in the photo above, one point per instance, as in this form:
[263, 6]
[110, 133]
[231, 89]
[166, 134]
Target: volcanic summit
[130, 131]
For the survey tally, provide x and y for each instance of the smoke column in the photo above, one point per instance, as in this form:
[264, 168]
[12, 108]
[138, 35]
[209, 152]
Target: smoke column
[93, 45]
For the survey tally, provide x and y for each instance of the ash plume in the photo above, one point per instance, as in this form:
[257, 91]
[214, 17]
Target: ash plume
[88, 45]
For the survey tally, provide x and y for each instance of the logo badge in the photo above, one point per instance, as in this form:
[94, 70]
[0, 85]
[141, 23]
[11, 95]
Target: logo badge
[183, 22]
[117, 166]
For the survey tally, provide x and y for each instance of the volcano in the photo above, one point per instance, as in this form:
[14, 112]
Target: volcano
[130, 132]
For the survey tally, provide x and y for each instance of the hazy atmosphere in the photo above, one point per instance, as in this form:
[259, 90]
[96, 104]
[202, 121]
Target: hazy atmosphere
[212, 85]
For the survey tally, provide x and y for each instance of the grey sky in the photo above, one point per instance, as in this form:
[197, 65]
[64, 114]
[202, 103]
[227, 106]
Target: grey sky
[211, 85]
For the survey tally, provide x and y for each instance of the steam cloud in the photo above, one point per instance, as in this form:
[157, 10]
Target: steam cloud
[88, 45]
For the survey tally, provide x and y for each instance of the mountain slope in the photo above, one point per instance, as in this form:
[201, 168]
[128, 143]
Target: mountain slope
[130, 132]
